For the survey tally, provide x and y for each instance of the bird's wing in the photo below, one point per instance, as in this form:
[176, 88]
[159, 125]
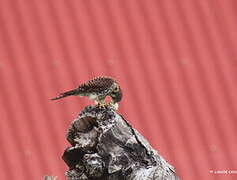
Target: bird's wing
[95, 85]
[98, 84]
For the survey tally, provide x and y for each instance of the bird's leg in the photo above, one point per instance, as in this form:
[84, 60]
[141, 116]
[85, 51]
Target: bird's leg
[102, 104]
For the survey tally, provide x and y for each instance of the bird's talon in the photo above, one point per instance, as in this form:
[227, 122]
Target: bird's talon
[102, 106]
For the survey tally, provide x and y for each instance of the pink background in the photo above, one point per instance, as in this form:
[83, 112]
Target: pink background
[175, 60]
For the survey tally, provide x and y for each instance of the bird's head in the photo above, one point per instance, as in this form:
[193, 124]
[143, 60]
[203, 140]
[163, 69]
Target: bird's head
[116, 93]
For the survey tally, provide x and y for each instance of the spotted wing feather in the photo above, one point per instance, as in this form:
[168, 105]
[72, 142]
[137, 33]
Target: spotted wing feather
[96, 85]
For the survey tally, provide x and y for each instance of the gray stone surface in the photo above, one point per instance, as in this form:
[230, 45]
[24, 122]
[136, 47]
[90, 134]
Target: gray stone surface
[105, 146]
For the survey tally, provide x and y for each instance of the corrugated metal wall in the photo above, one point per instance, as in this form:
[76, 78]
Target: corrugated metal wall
[176, 62]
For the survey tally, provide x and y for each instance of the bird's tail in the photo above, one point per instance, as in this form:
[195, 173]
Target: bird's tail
[65, 94]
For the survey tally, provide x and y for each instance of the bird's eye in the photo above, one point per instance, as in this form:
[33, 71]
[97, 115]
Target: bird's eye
[116, 89]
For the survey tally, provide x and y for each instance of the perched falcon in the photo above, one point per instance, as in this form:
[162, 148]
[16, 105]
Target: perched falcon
[97, 89]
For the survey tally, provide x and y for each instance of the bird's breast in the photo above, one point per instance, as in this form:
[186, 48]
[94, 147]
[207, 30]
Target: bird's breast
[92, 96]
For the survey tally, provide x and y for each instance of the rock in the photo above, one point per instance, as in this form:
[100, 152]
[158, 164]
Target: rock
[106, 147]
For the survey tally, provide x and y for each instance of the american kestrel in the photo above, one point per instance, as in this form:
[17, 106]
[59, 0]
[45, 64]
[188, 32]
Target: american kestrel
[97, 89]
